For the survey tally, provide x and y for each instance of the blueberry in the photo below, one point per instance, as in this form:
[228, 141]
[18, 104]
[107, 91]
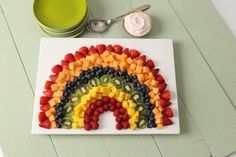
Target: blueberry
[152, 114]
[121, 73]
[60, 119]
[92, 73]
[149, 107]
[106, 69]
[100, 67]
[154, 125]
[116, 74]
[93, 69]
[100, 71]
[63, 101]
[126, 80]
[149, 125]
[152, 119]
[65, 94]
[111, 74]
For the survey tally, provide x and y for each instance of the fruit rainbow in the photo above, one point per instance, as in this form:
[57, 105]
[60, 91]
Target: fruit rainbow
[105, 78]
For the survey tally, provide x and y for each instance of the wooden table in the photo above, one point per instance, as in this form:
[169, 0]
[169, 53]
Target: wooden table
[205, 54]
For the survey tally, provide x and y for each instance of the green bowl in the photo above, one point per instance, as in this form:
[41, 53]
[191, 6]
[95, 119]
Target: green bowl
[60, 14]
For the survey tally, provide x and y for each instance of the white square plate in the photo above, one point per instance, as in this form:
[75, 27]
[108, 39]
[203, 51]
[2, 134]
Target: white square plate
[53, 50]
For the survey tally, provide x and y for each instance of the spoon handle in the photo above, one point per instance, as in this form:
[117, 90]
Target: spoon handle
[140, 8]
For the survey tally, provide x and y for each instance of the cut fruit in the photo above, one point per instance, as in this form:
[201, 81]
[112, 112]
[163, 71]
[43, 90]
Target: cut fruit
[105, 79]
[66, 124]
[128, 87]
[117, 81]
[84, 89]
[45, 124]
[142, 124]
[136, 97]
[94, 82]
[142, 110]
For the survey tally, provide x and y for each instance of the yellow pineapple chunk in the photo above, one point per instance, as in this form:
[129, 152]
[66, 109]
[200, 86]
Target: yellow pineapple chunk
[75, 125]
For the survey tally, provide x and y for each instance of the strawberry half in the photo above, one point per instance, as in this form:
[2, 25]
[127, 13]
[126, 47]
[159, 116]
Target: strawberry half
[57, 69]
[166, 95]
[126, 51]
[78, 55]
[65, 64]
[47, 85]
[168, 112]
[134, 53]
[164, 103]
[155, 72]
[150, 64]
[109, 48]
[48, 93]
[53, 78]
[69, 57]
[142, 58]
[162, 87]
[42, 117]
[84, 50]
[160, 78]
[101, 48]
[91, 53]
[118, 49]
[166, 121]
[92, 50]
[45, 107]
[44, 100]
[45, 124]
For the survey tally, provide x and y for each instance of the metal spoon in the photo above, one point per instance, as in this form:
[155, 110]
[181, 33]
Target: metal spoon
[99, 26]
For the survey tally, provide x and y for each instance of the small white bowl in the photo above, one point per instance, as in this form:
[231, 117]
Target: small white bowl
[148, 29]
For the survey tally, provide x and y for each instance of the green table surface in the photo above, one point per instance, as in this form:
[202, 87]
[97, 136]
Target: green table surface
[205, 55]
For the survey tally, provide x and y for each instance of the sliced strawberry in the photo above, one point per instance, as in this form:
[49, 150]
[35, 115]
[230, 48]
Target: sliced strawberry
[109, 48]
[42, 117]
[134, 53]
[164, 103]
[53, 78]
[48, 93]
[166, 121]
[142, 58]
[78, 55]
[84, 50]
[101, 48]
[48, 84]
[92, 50]
[44, 100]
[150, 64]
[57, 69]
[126, 51]
[162, 87]
[117, 49]
[45, 107]
[160, 78]
[166, 95]
[91, 53]
[45, 124]
[168, 112]
[69, 57]
[65, 64]
[155, 72]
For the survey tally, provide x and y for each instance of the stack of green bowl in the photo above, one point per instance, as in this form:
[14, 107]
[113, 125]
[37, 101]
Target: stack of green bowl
[61, 18]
